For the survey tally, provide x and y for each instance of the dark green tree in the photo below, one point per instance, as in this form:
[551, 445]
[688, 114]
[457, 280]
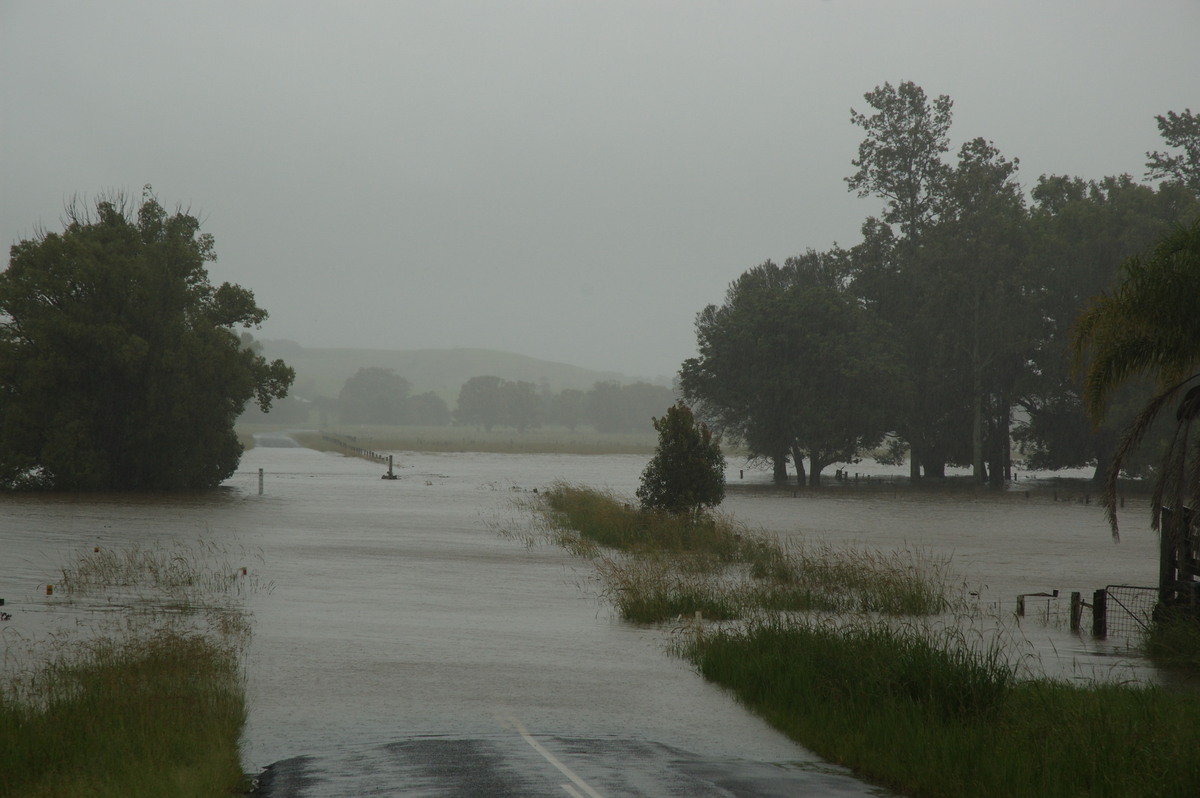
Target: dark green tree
[427, 410]
[1082, 231]
[687, 472]
[480, 402]
[374, 395]
[1181, 132]
[902, 160]
[1147, 326]
[119, 365]
[793, 366]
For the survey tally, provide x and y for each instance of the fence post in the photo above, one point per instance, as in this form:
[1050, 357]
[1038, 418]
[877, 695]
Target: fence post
[1076, 610]
[260, 481]
[1100, 613]
[1021, 606]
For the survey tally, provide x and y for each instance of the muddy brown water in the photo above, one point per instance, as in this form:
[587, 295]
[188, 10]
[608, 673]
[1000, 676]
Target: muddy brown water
[392, 610]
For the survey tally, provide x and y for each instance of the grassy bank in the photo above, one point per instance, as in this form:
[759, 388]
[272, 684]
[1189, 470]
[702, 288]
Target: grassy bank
[126, 718]
[924, 708]
[938, 718]
[149, 703]
[666, 566]
[472, 439]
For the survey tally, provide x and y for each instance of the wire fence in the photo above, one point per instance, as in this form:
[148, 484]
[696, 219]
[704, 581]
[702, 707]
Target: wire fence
[1130, 610]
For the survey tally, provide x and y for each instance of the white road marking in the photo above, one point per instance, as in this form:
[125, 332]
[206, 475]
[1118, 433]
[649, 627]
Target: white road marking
[553, 760]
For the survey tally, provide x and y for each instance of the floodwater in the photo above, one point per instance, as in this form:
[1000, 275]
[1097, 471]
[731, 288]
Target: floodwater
[393, 610]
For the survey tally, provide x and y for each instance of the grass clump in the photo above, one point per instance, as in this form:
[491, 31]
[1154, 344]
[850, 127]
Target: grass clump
[1173, 641]
[156, 707]
[148, 717]
[676, 565]
[934, 716]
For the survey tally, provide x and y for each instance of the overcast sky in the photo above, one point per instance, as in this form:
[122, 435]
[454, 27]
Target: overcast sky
[571, 181]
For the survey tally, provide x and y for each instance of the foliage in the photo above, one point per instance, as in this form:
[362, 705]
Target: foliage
[1148, 326]
[1082, 231]
[900, 156]
[118, 365]
[489, 401]
[374, 396]
[687, 471]
[791, 364]
[1182, 132]
[614, 407]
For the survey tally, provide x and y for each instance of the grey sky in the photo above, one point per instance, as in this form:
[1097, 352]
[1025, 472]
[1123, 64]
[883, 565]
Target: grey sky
[572, 181]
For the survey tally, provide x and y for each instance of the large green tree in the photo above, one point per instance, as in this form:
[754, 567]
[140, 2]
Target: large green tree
[792, 365]
[119, 364]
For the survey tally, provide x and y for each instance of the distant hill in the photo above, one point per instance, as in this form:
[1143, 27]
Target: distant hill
[322, 372]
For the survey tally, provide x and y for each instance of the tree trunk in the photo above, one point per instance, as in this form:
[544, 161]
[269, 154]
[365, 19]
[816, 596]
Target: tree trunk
[798, 459]
[977, 427]
[779, 462]
[814, 472]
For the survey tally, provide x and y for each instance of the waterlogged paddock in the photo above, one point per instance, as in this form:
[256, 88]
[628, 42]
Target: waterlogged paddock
[391, 610]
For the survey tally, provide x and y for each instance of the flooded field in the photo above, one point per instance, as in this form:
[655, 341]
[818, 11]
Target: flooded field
[392, 610]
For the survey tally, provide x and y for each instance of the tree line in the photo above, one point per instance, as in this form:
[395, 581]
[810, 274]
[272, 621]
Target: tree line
[945, 333]
[375, 395]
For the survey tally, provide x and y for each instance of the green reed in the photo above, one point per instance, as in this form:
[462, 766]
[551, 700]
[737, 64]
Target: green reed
[667, 566]
[150, 702]
[930, 714]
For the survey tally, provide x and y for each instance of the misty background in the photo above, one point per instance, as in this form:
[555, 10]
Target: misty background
[566, 181]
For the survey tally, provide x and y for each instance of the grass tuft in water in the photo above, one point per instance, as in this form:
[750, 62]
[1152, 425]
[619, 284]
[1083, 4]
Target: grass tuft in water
[156, 708]
[667, 566]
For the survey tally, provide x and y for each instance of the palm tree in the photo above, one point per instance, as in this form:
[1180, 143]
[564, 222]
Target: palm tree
[1149, 326]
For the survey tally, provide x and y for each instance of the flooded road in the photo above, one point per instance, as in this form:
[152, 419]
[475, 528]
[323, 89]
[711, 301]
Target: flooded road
[397, 633]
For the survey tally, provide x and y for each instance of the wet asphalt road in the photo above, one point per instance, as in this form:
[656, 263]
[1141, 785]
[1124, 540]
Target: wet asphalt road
[523, 765]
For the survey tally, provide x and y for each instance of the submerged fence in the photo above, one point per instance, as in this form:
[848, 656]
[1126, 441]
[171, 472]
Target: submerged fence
[350, 445]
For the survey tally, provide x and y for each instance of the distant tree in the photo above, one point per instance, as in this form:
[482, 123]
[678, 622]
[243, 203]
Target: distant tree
[1182, 132]
[520, 405]
[569, 408]
[374, 396]
[687, 472]
[491, 401]
[119, 367]
[613, 407]
[427, 410]
[480, 402]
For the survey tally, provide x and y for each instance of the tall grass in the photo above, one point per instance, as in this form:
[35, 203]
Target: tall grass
[149, 704]
[935, 716]
[123, 718]
[678, 565]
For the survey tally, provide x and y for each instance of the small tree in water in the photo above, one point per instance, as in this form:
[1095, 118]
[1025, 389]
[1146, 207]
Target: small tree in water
[687, 472]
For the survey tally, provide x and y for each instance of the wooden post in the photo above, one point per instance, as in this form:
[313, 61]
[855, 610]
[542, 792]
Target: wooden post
[1020, 606]
[260, 482]
[1076, 610]
[1100, 613]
